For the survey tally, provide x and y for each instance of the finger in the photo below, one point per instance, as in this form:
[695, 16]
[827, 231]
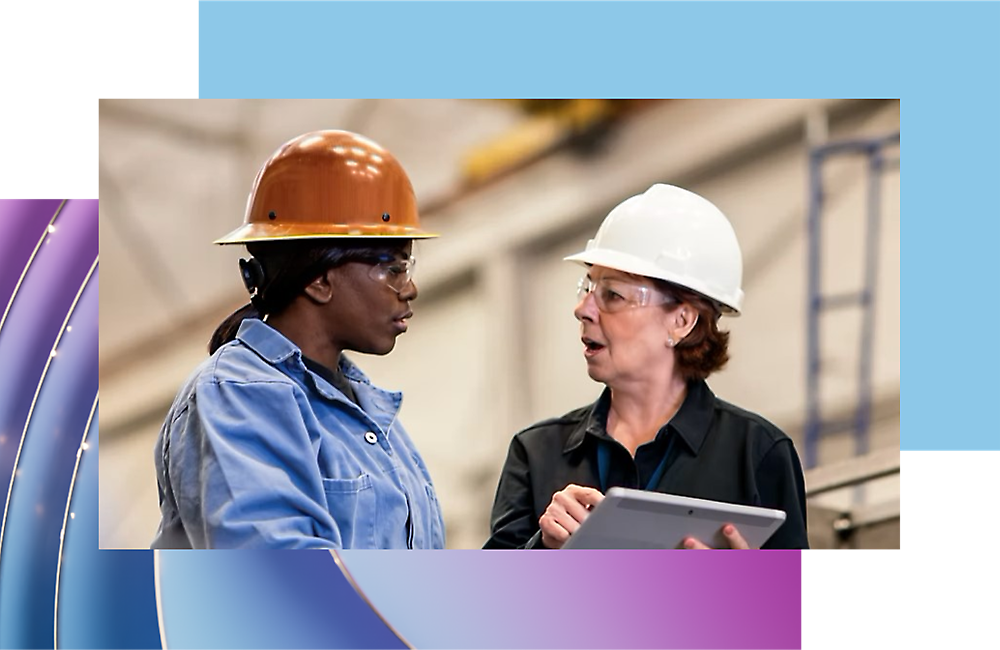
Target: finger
[566, 520]
[556, 511]
[568, 503]
[591, 497]
[587, 497]
[692, 543]
[553, 535]
[735, 539]
[553, 528]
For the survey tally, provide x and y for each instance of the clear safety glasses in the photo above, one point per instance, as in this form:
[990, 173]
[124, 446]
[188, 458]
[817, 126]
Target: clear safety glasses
[395, 272]
[615, 295]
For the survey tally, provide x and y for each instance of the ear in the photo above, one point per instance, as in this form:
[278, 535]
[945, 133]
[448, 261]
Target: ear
[680, 322]
[321, 289]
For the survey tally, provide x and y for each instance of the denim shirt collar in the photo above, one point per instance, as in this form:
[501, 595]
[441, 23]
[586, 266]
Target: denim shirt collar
[270, 344]
[381, 406]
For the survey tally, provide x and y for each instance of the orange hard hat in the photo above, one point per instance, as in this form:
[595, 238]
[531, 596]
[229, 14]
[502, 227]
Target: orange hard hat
[329, 184]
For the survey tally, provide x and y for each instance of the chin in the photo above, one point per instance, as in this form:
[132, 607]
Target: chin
[383, 349]
[379, 349]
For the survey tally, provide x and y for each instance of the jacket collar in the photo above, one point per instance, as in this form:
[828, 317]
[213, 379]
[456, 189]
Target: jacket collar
[272, 346]
[381, 406]
[691, 422]
[267, 342]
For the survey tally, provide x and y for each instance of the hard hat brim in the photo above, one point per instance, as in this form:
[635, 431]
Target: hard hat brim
[255, 232]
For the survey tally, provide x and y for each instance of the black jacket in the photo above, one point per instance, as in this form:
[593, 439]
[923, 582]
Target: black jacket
[721, 453]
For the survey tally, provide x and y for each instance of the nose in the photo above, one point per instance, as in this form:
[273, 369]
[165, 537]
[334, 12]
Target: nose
[586, 309]
[410, 291]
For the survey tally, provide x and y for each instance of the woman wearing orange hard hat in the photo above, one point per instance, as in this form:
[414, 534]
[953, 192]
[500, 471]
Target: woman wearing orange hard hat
[662, 269]
[278, 440]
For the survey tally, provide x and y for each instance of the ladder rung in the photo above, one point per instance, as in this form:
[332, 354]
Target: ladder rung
[837, 426]
[853, 471]
[841, 300]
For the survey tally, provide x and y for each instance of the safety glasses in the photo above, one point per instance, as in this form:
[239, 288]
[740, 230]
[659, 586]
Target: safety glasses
[616, 295]
[396, 273]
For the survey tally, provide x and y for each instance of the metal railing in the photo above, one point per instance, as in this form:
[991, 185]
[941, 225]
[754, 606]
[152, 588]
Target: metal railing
[853, 472]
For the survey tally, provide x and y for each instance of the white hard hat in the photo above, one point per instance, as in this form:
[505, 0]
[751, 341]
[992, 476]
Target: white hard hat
[675, 235]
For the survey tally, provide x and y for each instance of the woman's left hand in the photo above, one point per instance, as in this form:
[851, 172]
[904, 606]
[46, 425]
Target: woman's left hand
[732, 536]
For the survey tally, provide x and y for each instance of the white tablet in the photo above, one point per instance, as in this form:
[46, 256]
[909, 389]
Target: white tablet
[638, 519]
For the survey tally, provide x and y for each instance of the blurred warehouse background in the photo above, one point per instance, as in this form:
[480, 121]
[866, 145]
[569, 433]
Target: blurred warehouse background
[513, 186]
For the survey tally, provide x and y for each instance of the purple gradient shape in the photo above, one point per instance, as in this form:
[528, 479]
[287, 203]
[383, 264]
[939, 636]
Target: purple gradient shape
[35, 318]
[586, 599]
[22, 223]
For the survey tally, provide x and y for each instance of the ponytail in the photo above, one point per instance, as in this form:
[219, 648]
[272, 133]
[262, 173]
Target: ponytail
[226, 331]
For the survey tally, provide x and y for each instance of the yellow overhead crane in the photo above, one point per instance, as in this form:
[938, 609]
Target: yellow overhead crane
[551, 125]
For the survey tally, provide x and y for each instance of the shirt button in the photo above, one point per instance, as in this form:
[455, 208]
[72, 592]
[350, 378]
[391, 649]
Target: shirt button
[371, 438]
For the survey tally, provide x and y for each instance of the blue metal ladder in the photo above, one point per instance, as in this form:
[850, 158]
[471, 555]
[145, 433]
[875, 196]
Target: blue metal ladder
[818, 302]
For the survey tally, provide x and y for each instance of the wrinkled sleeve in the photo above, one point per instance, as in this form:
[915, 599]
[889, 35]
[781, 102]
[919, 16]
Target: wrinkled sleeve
[781, 486]
[248, 475]
[512, 522]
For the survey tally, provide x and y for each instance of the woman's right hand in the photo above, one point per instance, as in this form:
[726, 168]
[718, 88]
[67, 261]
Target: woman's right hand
[567, 510]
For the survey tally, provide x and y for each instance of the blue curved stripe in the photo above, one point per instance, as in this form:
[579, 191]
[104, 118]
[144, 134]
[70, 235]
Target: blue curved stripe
[265, 599]
[38, 499]
[106, 598]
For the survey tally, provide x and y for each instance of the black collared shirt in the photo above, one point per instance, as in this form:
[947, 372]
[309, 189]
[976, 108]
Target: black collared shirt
[721, 453]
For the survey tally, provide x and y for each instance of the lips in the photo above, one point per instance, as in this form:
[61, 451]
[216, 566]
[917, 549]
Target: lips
[591, 346]
[400, 321]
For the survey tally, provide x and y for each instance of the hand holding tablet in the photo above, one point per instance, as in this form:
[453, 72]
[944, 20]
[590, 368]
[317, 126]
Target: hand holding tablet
[565, 513]
[636, 519]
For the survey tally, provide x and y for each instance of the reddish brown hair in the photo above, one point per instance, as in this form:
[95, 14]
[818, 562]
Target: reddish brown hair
[705, 349]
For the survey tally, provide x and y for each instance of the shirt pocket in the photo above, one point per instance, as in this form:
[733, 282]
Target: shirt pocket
[352, 504]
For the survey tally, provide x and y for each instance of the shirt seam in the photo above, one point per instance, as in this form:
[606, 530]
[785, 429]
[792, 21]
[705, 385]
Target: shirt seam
[764, 456]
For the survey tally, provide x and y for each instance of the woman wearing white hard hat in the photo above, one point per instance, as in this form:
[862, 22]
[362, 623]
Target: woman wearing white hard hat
[662, 269]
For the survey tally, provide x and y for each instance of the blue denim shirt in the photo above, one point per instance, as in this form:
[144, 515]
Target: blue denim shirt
[257, 451]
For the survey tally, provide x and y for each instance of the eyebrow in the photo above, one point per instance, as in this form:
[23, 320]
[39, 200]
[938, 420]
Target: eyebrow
[627, 278]
[398, 256]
